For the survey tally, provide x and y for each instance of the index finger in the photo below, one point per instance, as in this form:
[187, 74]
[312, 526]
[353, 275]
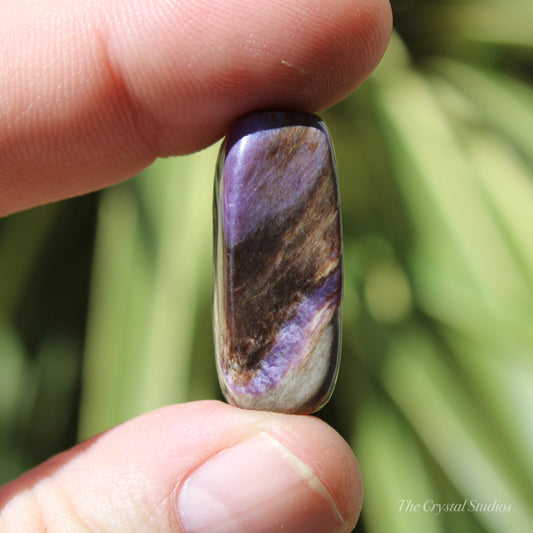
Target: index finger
[92, 93]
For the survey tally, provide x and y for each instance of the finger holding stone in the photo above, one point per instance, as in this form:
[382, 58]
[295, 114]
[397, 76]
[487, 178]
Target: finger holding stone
[91, 93]
[191, 468]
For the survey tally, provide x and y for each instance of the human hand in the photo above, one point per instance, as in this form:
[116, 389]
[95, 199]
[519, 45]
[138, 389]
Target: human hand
[89, 95]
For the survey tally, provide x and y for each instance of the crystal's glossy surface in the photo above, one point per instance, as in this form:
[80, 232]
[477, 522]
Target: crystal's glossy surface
[278, 263]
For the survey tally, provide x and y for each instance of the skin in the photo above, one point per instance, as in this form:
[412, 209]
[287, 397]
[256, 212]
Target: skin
[90, 94]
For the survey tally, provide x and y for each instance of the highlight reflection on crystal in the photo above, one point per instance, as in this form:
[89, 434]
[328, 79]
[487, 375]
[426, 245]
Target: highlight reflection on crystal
[278, 263]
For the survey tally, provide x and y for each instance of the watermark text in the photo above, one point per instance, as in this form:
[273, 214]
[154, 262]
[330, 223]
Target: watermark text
[407, 505]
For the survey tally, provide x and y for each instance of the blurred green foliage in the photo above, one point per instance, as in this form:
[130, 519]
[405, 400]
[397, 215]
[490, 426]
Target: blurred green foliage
[105, 300]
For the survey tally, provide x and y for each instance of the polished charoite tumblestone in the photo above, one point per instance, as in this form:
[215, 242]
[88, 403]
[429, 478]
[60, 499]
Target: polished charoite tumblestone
[278, 263]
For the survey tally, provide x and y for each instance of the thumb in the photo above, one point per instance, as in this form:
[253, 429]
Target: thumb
[198, 467]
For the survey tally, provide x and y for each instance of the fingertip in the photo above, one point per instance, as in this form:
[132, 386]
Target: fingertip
[315, 443]
[324, 450]
[292, 470]
[303, 56]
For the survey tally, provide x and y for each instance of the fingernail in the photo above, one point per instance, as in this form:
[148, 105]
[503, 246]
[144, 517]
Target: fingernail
[257, 486]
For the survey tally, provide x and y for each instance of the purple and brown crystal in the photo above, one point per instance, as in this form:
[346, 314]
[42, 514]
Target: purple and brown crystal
[278, 263]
